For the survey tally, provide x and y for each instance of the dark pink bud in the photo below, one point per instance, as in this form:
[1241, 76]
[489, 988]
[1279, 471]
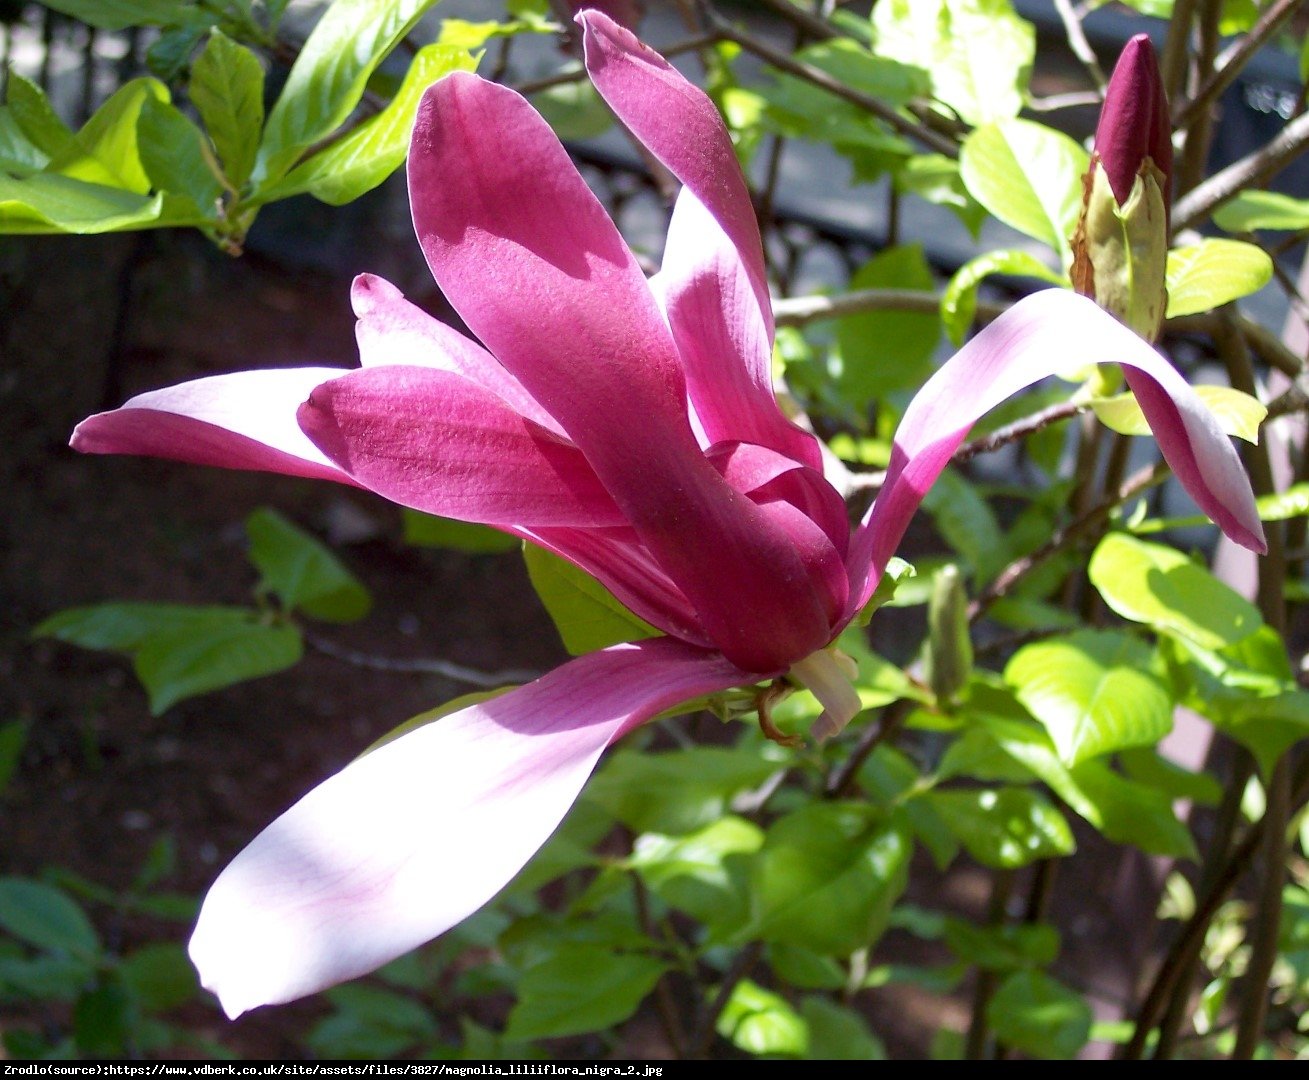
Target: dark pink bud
[1134, 122]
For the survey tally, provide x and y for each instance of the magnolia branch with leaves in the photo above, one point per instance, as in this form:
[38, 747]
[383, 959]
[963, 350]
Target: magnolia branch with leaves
[673, 454]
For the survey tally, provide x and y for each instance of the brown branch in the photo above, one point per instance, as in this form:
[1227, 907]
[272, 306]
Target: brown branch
[841, 782]
[746, 959]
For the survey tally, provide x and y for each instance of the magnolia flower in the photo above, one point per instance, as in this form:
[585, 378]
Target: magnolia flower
[1120, 249]
[627, 425]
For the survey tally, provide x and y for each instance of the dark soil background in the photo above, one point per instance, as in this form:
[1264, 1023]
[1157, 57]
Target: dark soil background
[87, 322]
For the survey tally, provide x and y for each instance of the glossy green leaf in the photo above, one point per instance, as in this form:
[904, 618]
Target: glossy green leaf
[329, 76]
[302, 571]
[227, 87]
[105, 150]
[1212, 273]
[172, 154]
[49, 203]
[122, 14]
[46, 918]
[837, 1033]
[827, 878]
[125, 626]
[1132, 813]
[1005, 828]
[959, 301]
[806, 969]
[581, 988]
[762, 1022]
[1093, 692]
[35, 116]
[160, 975]
[1161, 587]
[212, 655]
[19, 156]
[883, 351]
[936, 178]
[978, 52]
[691, 872]
[586, 614]
[1036, 1014]
[359, 161]
[1291, 503]
[1002, 948]
[1027, 175]
[678, 792]
[1237, 412]
[1252, 210]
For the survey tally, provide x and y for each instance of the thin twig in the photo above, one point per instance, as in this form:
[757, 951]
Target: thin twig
[1252, 169]
[1189, 167]
[1177, 48]
[802, 310]
[1062, 538]
[741, 964]
[780, 60]
[1002, 885]
[842, 781]
[1074, 99]
[1233, 60]
[1078, 43]
[420, 666]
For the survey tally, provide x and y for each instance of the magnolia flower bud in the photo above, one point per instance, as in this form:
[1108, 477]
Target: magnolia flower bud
[1120, 249]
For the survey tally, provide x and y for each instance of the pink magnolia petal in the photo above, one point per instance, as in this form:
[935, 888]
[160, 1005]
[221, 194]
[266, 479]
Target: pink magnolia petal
[391, 330]
[245, 420]
[1044, 334]
[432, 440]
[415, 836]
[618, 559]
[678, 123]
[527, 256]
[722, 337]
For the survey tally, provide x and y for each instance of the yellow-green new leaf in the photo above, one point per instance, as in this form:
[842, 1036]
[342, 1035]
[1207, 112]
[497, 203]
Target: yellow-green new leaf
[1238, 413]
[1212, 273]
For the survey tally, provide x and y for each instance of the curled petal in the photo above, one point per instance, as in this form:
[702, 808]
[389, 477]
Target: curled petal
[434, 441]
[1039, 336]
[391, 330]
[245, 420]
[678, 123]
[415, 836]
[722, 337]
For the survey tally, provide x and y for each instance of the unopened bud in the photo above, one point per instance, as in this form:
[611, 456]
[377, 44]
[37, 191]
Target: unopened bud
[1120, 249]
[949, 662]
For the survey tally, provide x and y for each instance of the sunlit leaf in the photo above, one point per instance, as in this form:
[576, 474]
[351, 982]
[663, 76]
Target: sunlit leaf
[1036, 1014]
[1237, 412]
[1252, 210]
[227, 87]
[959, 301]
[581, 988]
[1005, 828]
[1214, 272]
[586, 614]
[302, 571]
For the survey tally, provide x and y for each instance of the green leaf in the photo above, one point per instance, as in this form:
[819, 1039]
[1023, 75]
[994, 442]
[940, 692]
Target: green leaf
[46, 918]
[49, 203]
[329, 76]
[1212, 273]
[125, 626]
[13, 737]
[1272, 210]
[979, 52]
[762, 1022]
[936, 178]
[806, 969]
[1027, 175]
[172, 154]
[46, 977]
[827, 878]
[586, 614]
[690, 872]
[967, 523]
[160, 975]
[122, 14]
[1005, 828]
[359, 161]
[574, 110]
[1038, 1015]
[581, 988]
[837, 1033]
[19, 157]
[370, 1022]
[227, 87]
[887, 350]
[428, 530]
[1002, 948]
[212, 655]
[105, 150]
[35, 116]
[1237, 412]
[677, 792]
[1093, 693]
[959, 301]
[1132, 813]
[1156, 585]
[1146, 766]
[103, 1020]
[302, 571]
[1291, 503]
